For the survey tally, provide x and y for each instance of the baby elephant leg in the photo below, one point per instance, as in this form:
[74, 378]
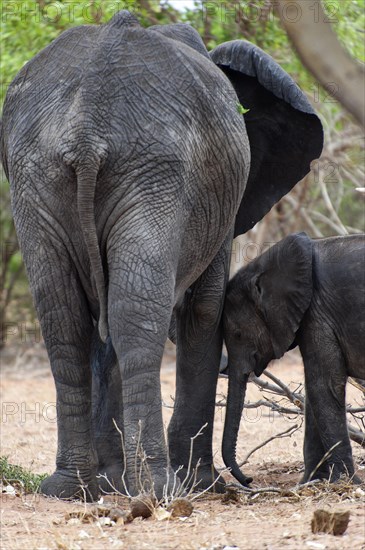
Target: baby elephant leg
[325, 380]
[315, 466]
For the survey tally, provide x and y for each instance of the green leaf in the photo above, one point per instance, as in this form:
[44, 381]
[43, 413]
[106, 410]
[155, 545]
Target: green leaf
[15, 262]
[22, 478]
[241, 110]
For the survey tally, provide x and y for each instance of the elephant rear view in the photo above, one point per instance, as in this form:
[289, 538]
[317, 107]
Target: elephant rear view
[128, 161]
[311, 294]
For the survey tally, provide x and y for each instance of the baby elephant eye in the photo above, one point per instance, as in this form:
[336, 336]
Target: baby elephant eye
[237, 334]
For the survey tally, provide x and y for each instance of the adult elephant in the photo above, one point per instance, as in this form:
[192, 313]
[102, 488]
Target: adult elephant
[129, 162]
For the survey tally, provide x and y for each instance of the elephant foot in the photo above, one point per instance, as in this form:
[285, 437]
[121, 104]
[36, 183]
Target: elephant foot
[356, 480]
[344, 476]
[162, 483]
[319, 475]
[110, 479]
[67, 486]
[333, 477]
[158, 484]
[206, 477]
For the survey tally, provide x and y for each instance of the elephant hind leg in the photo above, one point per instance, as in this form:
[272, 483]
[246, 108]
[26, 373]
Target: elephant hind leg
[67, 328]
[107, 407]
[140, 302]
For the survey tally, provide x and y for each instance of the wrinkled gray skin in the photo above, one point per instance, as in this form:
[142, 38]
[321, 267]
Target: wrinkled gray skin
[307, 293]
[127, 161]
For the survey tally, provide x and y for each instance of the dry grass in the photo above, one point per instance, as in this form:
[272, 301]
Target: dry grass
[264, 519]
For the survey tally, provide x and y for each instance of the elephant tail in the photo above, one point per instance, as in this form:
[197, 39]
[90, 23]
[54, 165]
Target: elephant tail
[86, 184]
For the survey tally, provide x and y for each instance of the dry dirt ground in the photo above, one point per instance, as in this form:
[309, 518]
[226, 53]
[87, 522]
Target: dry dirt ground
[267, 521]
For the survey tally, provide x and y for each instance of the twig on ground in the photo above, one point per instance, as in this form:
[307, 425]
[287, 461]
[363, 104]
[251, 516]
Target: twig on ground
[124, 457]
[83, 488]
[192, 439]
[287, 433]
[324, 458]
[198, 495]
[249, 491]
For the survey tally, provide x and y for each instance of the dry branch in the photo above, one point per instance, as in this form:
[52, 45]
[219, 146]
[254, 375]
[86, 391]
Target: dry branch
[296, 398]
[281, 390]
[359, 384]
[287, 433]
[357, 436]
[322, 53]
[323, 459]
[252, 492]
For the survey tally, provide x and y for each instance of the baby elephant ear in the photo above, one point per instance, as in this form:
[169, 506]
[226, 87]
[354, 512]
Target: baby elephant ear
[284, 132]
[282, 288]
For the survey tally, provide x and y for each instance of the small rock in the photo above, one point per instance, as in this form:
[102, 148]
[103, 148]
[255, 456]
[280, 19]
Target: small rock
[81, 516]
[307, 491]
[359, 493]
[73, 521]
[9, 490]
[161, 514]
[83, 535]
[313, 544]
[105, 522]
[120, 516]
[333, 523]
[101, 511]
[180, 508]
[231, 495]
[142, 506]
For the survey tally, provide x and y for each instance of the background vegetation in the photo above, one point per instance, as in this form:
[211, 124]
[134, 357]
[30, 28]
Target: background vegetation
[324, 203]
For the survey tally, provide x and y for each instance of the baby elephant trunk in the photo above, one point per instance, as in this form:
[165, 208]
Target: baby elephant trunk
[235, 400]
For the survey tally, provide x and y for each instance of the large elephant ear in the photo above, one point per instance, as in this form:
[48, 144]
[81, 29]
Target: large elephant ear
[284, 132]
[281, 286]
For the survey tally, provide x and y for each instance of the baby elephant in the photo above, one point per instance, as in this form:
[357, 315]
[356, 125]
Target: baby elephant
[309, 293]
